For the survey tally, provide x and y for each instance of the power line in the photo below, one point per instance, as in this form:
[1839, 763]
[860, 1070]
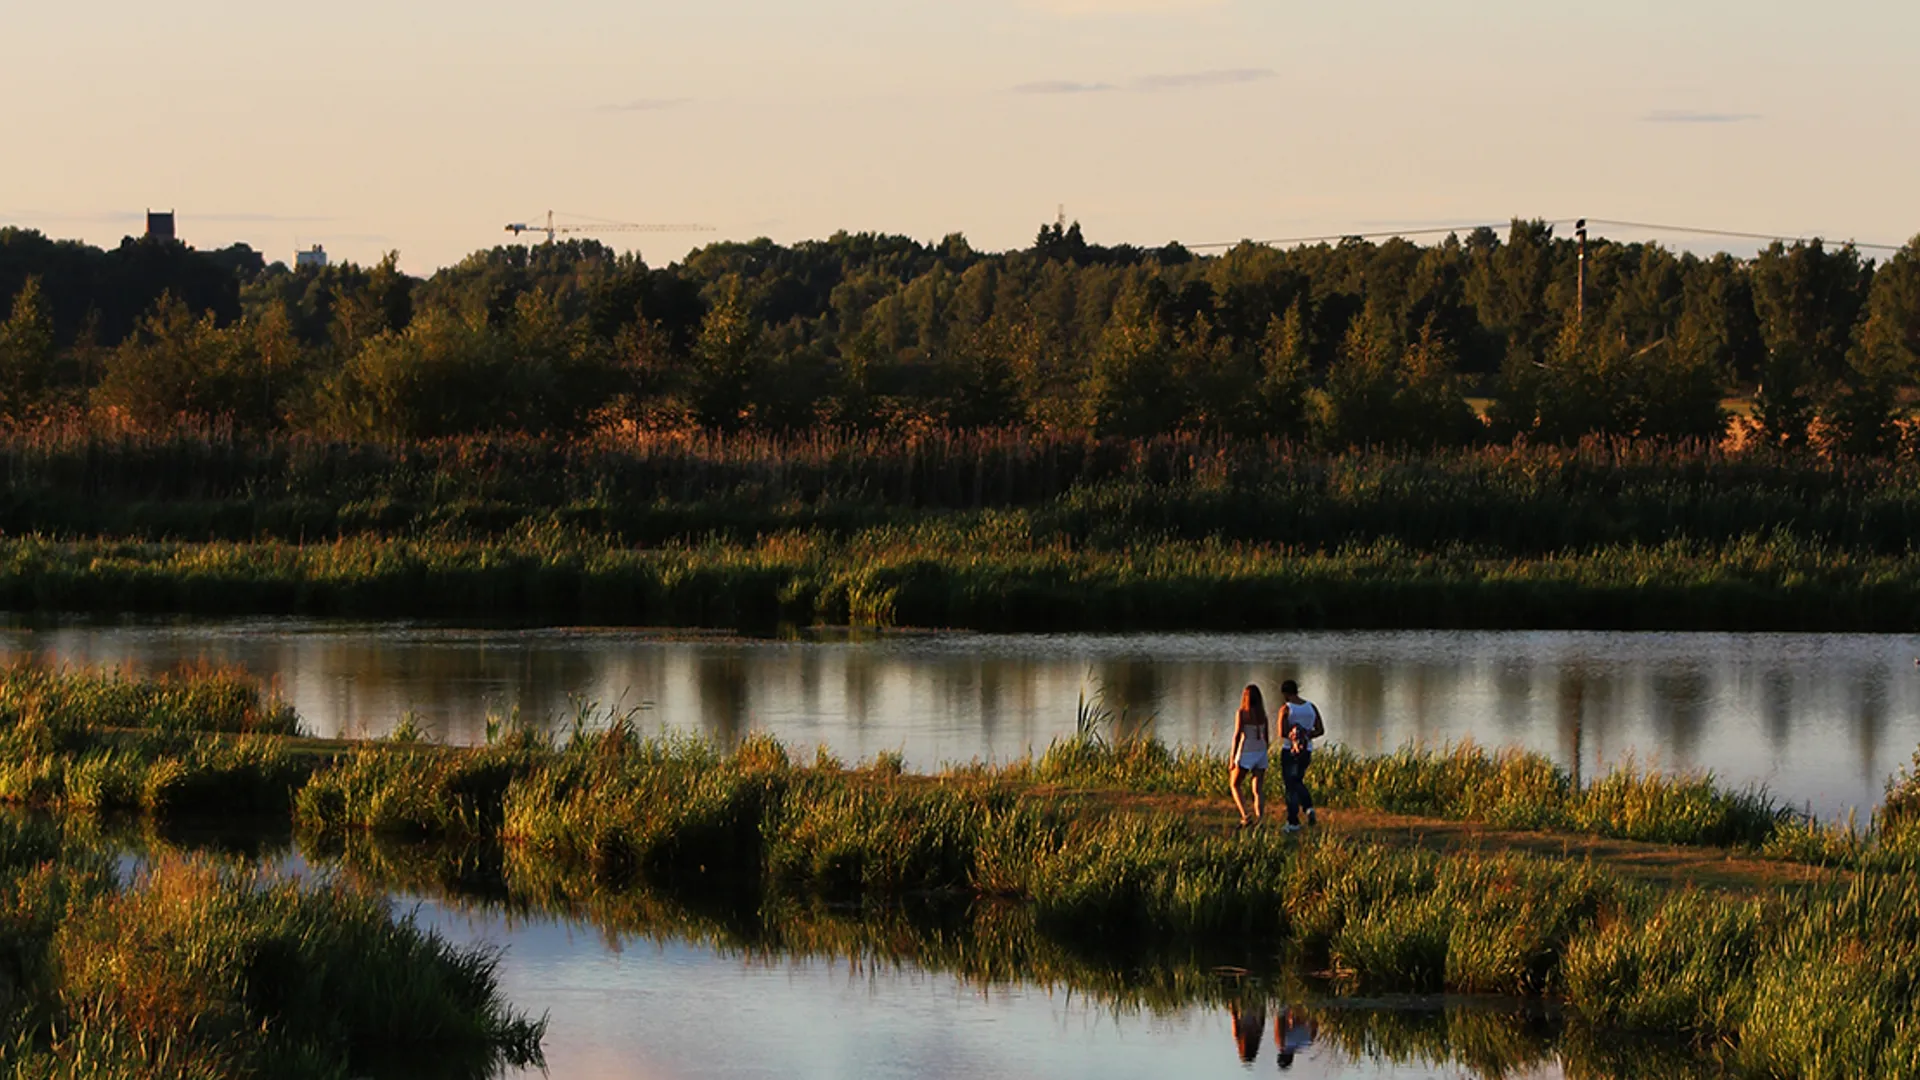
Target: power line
[1647, 226]
[1335, 237]
[1734, 234]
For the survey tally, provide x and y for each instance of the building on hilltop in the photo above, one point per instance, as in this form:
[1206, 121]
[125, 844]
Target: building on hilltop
[160, 226]
[316, 257]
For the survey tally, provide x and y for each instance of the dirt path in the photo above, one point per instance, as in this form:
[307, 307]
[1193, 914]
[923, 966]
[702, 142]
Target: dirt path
[1673, 865]
[1663, 864]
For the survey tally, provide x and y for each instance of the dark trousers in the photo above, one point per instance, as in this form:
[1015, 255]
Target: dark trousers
[1293, 773]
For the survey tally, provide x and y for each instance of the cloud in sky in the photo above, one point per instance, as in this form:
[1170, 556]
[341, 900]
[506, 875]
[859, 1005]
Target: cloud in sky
[1150, 84]
[1183, 80]
[1063, 86]
[1691, 116]
[1124, 7]
[646, 105]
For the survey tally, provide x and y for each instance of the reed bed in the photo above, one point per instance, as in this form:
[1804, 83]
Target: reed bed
[77, 740]
[198, 968]
[654, 490]
[204, 971]
[197, 697]
[991, 945]
[192, 740]
[993, 575]
[1814, 982]
[1510, 788]
[1653, 981]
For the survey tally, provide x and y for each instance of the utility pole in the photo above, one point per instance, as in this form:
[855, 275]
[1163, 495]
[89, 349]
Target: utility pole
[1580, 287]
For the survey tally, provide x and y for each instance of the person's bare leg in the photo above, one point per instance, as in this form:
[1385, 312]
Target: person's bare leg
[1259, 794]
[1233, 781]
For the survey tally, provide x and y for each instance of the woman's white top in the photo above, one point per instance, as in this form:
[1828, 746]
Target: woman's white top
[1253, 746]
[1303, 716]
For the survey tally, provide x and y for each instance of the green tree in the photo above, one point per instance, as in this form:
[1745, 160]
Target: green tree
[1358, 397]
[1678, 385]
[728, 359]
[980, 386]
[1428, 408]
[380, 302]
[1807, 299]
[1286, 359]
[182, 366]
[446, 374]
[26, 353]
[1861, 412]
[1134, 388]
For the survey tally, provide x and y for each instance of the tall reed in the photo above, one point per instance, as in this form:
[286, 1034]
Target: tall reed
[654, 488]
[993, 574]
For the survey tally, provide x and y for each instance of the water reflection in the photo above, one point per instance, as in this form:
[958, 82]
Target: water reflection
[1293, 1033]
[1822, 720]
[1249, 1024]
[634, 982]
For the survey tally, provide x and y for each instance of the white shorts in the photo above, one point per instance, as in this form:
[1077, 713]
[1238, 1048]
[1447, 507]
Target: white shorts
[1254, 759]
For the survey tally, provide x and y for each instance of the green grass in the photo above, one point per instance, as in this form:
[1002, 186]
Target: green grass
[1510, 788]
[198, 968]
[991, 531]
[1097, 857]
[195, 485]
[993, 574]
[1810, 983]
[186, 699]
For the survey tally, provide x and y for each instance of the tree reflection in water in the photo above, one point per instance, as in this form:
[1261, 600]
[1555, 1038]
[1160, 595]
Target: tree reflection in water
[1819, 719]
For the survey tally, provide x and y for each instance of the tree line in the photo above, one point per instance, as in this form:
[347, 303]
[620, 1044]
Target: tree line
[1337, 345]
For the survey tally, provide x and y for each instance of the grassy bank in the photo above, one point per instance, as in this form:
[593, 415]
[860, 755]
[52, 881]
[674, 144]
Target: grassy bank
[1807, 984]
[204, 740]
[1109, 851]
[992, 531]
[994, 945]
[197, 969]
[993, 575]
[1736, 970]
[194, 740]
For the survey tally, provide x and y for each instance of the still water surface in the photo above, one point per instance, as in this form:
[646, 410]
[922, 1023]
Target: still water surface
[1821, 719]
[674, 1009]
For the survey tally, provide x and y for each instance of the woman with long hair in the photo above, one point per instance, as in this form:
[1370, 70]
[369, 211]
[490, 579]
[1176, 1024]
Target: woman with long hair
[1249, 756]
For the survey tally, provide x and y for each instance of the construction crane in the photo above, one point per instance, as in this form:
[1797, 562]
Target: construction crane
[552, 230]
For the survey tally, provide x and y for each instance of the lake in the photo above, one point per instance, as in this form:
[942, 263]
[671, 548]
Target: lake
[1822, 720]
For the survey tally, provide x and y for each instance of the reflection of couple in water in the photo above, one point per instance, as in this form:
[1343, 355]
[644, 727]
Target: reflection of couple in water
[1293, 1031]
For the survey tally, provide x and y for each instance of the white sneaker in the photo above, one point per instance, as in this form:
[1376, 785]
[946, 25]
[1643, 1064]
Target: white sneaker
[1291, 827]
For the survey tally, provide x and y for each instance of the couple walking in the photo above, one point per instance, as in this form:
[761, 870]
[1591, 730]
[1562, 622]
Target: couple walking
[1300, 724]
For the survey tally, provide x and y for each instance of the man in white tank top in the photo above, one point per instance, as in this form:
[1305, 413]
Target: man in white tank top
[1300, 724]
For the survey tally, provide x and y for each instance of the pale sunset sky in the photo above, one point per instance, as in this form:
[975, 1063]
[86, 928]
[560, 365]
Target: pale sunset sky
[425, 125]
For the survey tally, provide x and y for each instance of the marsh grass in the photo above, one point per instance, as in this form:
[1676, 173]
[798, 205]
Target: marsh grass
[774, 858]
[653, 488]
[249, 776]
[993, 945]
[1030, 856]
[87, 741]
[198, 969]
[186, 699]
[1510, 788]
[991, 572]
[413, 790]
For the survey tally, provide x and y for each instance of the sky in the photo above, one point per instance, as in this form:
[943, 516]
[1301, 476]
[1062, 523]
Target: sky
[424, 126]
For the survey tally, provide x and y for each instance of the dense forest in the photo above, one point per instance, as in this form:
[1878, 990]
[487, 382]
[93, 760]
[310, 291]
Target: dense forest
[1394, 345]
